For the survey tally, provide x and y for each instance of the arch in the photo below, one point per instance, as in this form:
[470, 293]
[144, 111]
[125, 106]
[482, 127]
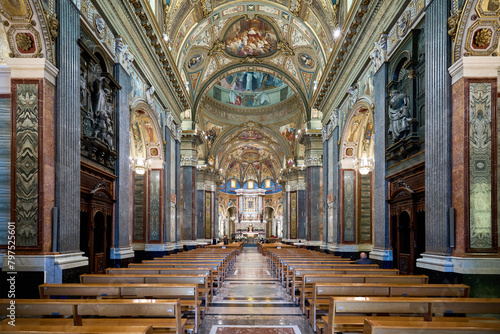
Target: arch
[214, 19]
[218, 143]
[146, 147]
[359, 118]
[212, 80]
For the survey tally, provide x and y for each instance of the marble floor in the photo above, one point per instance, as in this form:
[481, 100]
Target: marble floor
[252, 301]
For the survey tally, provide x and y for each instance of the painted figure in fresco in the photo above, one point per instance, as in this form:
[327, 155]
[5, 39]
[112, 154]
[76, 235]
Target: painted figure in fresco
[399, 116]
[253, 40]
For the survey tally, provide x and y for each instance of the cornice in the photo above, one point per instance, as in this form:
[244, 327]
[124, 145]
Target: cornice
[134, 23]
[340, 74]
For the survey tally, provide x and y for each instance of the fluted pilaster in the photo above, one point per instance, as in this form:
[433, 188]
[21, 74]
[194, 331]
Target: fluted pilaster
[438, 128]
[122, 212]
[68, 126]
[381, 219]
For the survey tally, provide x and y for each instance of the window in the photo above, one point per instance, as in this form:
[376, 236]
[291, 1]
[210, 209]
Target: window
[267, 184]
[250, 184]
[233, 183]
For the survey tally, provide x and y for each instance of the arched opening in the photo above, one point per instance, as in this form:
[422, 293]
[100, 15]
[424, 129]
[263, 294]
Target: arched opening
[356, 179]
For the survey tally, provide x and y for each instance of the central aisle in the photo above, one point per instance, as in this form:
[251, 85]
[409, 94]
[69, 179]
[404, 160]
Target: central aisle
[250, 296]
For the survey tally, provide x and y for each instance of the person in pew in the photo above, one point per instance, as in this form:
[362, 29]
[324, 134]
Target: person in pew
[363, 259]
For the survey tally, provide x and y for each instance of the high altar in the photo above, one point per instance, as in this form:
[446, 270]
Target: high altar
[251, 211]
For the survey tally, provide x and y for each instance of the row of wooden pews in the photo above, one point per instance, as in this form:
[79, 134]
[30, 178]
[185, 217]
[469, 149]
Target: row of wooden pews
[155, 296]
[337, 295]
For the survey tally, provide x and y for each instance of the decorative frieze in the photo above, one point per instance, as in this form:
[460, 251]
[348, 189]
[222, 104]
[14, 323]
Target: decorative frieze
[313, 160]
[189, 160]
[379, 53]
[327, 130]
[123, 54]
[412, 14]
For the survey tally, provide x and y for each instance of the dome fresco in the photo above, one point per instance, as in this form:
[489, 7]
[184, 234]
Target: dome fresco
[251, 89]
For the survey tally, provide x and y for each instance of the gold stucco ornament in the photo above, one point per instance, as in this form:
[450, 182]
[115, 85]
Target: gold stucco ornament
[483, 38]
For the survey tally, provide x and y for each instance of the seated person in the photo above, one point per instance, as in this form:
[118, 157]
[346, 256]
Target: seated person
[363, 259]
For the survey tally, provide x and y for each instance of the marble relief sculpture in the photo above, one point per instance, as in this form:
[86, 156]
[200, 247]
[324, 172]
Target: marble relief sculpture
[399, 116]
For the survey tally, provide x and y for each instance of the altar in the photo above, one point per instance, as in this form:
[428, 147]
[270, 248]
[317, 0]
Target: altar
[250, 208]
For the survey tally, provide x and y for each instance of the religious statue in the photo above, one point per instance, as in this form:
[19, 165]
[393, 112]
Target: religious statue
[149, 95]
[83, 89]
[399, 116]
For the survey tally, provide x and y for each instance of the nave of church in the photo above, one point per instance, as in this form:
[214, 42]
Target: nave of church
[132, 130]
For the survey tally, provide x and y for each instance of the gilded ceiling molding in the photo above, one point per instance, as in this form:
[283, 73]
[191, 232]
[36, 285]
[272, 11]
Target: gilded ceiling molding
[124, 21]
[152, 31]
[31, 28]
[355, 20]
[339, 74]
[477, 29]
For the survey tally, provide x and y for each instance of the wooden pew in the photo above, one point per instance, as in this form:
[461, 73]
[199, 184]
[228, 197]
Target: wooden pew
[214, 268]
[430, 327]
[188, 293]
[298, 273]
[56, 329]
[289, 270]
[323, 291]
[344, 312]
[201, 280]
[306, 289]
[164, 314]
[201, 263]
[286, 264]
[213, 277]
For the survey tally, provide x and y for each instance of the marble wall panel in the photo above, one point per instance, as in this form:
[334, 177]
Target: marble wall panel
[27, 159]
[349, 206]
[480, 166]
[154, 205]
[5, 167]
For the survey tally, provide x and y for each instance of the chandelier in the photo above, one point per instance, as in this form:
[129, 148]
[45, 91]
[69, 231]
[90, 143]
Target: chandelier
[140, 166]
[364, 165]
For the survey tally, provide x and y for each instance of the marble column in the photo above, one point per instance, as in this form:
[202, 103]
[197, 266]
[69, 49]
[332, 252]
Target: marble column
[333, 191]
[189, 208]
[68, 127]
[167, 176]
[437, 129]
[121, 248]
[285, 220]
[311, 138]
[382, 248]
[178, 193]
[326, 180]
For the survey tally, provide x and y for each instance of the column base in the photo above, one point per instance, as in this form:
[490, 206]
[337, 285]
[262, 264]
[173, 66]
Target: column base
[460, 265]
[481, 274]
[121, 257]
[32, 270]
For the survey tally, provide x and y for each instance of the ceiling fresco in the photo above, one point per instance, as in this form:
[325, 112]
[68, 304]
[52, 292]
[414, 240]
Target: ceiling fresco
[251, 68]
[251, 89]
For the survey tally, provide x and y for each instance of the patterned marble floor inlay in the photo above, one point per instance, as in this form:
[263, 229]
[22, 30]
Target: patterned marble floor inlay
[252, 301]
[231, 329]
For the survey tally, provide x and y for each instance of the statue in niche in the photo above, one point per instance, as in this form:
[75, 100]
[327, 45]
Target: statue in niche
[83, 89]
[399, 116]
[102, 108]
